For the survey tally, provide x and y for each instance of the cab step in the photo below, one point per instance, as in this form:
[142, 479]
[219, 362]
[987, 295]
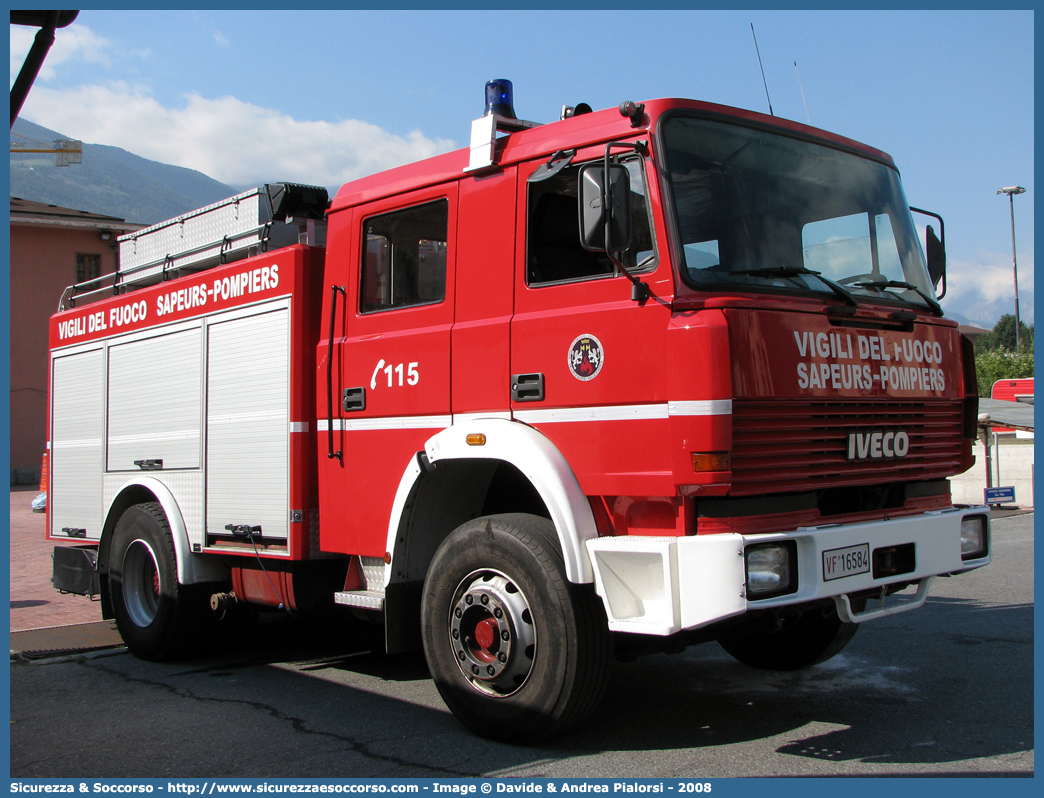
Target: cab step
[363, 584]
[363, 599]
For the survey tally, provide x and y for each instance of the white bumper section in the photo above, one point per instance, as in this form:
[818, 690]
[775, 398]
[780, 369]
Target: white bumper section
[663, 585]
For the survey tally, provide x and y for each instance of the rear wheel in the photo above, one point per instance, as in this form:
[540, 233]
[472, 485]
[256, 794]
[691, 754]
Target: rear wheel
[157, 617]
[517, 652]
[815, 636]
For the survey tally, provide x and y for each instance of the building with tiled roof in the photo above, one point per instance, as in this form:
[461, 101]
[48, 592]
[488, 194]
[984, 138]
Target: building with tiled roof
[51, 248]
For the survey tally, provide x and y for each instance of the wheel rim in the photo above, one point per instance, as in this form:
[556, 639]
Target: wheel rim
[492, 633]
[141, 583]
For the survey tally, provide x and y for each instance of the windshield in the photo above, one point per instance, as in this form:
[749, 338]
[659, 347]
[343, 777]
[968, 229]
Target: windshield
[758, 210]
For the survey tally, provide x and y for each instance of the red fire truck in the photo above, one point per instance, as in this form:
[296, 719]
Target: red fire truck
[655, 375]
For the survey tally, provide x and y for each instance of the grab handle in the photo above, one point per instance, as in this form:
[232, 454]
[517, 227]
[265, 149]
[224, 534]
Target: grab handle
[329, 372]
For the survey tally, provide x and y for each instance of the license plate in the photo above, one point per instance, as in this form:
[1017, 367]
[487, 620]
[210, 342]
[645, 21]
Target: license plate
[849, 561]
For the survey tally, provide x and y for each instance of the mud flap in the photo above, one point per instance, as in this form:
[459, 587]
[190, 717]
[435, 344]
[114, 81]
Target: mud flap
[402, 631]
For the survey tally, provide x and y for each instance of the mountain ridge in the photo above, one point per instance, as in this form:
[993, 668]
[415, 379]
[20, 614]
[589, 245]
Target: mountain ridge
[110, 181]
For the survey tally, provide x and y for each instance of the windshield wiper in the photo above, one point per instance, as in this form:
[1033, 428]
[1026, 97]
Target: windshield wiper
[794, 271]
[930, 301]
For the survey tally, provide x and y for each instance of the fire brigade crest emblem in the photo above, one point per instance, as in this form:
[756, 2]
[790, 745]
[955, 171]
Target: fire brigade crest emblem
[586, 357]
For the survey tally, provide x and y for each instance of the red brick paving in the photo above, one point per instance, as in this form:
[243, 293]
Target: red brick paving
[35, 604]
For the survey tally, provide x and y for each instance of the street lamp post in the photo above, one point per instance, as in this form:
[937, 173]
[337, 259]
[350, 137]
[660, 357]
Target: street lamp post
[1011, 191]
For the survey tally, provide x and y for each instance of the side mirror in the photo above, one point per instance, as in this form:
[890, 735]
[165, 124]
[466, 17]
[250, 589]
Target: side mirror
[936, 256]
[935, 252]
[592, 207]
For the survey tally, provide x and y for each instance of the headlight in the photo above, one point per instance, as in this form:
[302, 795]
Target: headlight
[771, 569]
[973, 537]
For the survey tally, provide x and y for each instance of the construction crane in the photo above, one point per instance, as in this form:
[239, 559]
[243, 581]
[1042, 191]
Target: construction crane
[66, 151]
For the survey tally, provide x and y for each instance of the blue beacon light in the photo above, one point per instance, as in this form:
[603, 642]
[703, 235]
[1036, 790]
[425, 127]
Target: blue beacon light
[499, 99]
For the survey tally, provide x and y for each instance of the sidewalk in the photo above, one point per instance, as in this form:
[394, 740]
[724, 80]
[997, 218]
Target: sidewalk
[35, 604]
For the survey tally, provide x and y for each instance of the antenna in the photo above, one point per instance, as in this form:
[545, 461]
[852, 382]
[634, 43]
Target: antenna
[802, 93]
[762, 68]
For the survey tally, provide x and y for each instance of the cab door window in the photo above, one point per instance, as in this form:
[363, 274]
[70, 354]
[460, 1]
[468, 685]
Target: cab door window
[404, 258]
[554, 253]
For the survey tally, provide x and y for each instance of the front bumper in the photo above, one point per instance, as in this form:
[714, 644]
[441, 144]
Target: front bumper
[664, 585]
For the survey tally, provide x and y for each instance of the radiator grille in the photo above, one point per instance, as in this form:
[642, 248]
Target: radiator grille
[781, 446]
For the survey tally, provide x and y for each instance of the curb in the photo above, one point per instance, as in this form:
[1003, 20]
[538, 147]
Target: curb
[58, 641]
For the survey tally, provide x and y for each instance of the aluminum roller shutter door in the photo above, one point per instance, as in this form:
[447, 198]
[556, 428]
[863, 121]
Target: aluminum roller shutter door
[155, 401]
[248, 423]
[75, 463]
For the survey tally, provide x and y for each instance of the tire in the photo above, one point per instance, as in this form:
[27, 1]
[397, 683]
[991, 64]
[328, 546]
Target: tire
[518, 653]
[157, 618]
[814, 637]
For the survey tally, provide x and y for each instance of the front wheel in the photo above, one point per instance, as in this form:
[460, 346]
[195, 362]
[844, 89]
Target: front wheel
[815, 636]
[517, 652]
[158, 618]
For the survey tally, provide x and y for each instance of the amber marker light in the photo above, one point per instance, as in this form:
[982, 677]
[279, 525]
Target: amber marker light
[710, 461]
[476, 439]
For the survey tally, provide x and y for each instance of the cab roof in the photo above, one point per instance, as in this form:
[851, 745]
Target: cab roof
[578, 131]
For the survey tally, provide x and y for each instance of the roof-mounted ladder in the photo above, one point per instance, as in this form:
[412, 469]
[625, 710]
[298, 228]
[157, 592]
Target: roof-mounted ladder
[273, 216]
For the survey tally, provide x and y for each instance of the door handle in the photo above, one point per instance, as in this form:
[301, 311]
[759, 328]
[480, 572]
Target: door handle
[527, 387]
[353, 399]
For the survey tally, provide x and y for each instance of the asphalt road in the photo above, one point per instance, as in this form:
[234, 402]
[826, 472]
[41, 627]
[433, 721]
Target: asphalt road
[945, 690]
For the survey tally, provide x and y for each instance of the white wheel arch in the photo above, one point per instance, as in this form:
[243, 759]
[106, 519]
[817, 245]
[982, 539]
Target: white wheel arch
[537, 459]
[192, 568]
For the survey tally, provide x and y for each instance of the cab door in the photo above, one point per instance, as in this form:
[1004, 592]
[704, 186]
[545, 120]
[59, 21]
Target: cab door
[595, 360]
[389, 377]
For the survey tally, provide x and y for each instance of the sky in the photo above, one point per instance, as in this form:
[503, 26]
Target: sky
[323, 97]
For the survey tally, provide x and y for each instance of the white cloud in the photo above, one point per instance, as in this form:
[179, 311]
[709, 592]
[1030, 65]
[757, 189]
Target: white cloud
[230, 140]
[990, 275]
[76, 43]
[202, 21]
[983, 289]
